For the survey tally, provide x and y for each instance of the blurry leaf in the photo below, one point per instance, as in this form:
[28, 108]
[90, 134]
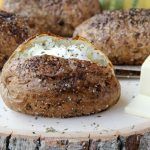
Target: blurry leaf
[105, 4]
[134, 3]
[124, 4]
[143, 4]
[1, 4]
[127, 4]
[116, 4]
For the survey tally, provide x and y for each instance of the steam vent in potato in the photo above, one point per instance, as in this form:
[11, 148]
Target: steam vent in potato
[124, 36]
[55, 16]
[57, 77]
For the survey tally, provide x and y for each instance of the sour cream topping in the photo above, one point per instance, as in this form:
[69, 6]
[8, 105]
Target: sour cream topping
[67, 49]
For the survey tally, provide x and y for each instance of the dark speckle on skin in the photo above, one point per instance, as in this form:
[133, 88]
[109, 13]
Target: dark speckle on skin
[123, 35]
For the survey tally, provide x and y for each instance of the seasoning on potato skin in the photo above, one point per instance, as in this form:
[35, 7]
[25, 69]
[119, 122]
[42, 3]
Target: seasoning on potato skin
[51, 86]
[124, 36]
[13, 31]
[56, 16]
[91, 89]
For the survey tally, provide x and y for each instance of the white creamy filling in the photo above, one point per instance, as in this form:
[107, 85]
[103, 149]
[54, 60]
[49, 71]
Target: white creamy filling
[66, 49]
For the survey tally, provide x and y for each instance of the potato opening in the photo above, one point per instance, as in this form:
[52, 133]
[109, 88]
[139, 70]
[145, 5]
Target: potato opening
[65, 48]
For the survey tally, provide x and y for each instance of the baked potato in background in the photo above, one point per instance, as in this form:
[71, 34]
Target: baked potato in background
[124, 36]
[13, 31]
[56, 77]
[56, 16]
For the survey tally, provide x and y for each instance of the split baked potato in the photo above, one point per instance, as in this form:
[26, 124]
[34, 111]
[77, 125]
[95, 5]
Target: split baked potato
[57, 77]
[56, 16]
[124, 36]
[13, 31]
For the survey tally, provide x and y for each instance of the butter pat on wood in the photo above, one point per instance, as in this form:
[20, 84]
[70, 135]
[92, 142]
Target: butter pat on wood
[140, 105]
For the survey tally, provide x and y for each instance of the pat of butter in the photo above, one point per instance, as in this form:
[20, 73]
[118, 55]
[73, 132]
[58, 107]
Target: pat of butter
[140, 105]
[145, 78]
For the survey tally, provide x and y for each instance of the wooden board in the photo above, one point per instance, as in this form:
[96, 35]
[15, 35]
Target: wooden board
[111, 129]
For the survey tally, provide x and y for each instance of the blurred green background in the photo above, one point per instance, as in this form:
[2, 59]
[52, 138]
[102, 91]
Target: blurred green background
[124, 4]
[120, 4]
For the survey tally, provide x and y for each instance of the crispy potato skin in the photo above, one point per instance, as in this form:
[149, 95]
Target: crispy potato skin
[55, 87]
[13, 31]
[124, 36]
[56, 16]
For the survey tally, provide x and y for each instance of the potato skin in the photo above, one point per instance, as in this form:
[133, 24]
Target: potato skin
[55, 87]
[56, 16]
[124, 36]
[13, 31]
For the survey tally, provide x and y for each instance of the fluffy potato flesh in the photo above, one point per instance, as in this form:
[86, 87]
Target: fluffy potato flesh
[64, 48]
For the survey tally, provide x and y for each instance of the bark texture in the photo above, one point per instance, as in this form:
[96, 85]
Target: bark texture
[132, 142]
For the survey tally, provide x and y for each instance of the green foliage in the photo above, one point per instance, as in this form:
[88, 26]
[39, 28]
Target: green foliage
[118, 4]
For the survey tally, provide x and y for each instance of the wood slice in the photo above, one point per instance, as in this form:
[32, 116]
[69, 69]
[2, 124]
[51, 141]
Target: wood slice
[109, 130]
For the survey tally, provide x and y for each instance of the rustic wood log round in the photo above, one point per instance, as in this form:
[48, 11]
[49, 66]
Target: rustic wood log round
[109, 130]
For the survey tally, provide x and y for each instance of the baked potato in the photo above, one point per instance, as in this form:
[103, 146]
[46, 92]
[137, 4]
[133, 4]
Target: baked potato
[124, 36]
[13, 31]
[56, 16]
[57, 77]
